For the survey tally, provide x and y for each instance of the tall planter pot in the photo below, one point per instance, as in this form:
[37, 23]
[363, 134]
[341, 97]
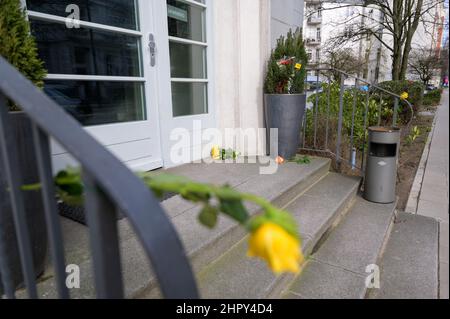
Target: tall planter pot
[284, 112]
[33, 205]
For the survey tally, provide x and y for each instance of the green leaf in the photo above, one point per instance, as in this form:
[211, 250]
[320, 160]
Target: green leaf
[166, 182]
[227, 193]
[235, 209]
[31, 187]
[196, 192]
[208, 216]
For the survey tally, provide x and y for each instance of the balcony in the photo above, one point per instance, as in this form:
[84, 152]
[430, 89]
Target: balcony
[313, 41]
[314, 20]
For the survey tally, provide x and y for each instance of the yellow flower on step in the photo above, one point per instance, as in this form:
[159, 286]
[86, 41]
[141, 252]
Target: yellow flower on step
[277, 247]
[298, 66]
[404, 95]
[215, 152]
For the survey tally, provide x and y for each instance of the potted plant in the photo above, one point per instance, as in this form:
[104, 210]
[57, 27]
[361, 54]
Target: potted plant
[284, 99]
[19, 48]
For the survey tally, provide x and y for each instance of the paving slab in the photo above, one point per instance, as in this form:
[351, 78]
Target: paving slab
[357, 241]
[317, 209]
[443, 242]
[410, 262]
[433, 209]
[323, 281]
[443, 280]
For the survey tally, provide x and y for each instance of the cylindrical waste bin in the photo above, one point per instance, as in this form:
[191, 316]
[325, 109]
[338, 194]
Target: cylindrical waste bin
[381, 164]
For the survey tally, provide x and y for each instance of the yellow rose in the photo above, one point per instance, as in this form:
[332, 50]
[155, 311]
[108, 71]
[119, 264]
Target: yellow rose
[298, 66]
[277, 247]
[215, 152]
[404, 95]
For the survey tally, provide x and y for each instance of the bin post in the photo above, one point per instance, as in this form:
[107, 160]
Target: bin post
[381, 164]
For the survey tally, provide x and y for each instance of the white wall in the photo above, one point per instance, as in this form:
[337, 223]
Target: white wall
[244, 33]
[242, 47]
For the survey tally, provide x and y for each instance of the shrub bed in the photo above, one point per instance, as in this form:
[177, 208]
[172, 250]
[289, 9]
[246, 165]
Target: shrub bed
[432, 98]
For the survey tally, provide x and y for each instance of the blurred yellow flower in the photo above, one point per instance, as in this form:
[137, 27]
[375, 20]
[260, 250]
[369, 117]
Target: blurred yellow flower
[298, 66]
[404, 95]
[277, 247]
[215, 152]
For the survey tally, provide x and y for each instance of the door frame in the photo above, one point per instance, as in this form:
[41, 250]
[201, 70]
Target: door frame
[167, 121]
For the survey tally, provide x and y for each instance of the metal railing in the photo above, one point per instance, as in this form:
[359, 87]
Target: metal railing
[352, 99]
[109, 187]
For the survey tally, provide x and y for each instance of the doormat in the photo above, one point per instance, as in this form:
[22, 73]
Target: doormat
[76, 213]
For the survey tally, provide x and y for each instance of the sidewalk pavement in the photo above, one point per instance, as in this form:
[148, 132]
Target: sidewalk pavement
[433, 200]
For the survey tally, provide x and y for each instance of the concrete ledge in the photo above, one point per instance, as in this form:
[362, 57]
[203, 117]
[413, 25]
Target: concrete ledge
[234, 275]
[338, 268]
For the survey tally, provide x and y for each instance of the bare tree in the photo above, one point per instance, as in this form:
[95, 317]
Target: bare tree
[392, 22]
[344, 59]
[424, 63]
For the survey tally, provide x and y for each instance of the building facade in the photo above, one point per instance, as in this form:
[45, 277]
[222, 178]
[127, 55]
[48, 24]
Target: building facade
[140, 74]
[312, 30]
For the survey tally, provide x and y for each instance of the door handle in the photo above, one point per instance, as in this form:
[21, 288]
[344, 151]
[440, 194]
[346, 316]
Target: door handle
[152, 47]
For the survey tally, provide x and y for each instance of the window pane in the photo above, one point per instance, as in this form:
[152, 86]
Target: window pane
[94, 103]
[185, 21]
[189, 98]
[117, 13]
[85, 51]
[187, 61]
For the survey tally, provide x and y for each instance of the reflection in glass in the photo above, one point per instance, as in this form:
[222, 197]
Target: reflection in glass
[85, 51]
[187, 61]
[117, 13]
[189, 98]
[185, 21]
[95, 103]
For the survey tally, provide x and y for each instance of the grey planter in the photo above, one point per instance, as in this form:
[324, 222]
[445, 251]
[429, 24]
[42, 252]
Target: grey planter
[284, 112]
[33, 204]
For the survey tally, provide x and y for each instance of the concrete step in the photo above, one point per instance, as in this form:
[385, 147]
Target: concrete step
[234, 275]
[409, 268]
[202, 245]
[337, 269]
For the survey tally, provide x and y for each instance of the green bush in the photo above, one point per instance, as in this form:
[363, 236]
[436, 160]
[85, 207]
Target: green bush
[432, 98]
[414, 90]
[286, 79]
[17, 45]
[330, 115]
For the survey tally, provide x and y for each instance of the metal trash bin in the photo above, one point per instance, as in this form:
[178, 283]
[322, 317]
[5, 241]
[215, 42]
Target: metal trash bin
[381, 165]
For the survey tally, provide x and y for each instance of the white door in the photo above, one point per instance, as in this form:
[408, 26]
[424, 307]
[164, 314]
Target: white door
[184, 42]
[102, 72]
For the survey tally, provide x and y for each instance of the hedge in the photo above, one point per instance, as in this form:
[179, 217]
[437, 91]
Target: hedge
[414, 89]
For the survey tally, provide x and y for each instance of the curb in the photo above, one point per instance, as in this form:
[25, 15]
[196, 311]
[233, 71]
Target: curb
[413, 198]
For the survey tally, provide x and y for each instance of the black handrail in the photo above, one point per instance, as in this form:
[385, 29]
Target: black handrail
[337, 152]
[111, 185]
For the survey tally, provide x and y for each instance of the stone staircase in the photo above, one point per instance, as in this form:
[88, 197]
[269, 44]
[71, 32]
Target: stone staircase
[341, 234]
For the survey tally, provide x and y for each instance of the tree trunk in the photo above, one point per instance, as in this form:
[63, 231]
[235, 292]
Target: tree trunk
[410, 30]
[396, 63]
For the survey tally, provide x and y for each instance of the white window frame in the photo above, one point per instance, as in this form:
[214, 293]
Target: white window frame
[205, 45]
[94, 26]
[110, 133]
[168, 122]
